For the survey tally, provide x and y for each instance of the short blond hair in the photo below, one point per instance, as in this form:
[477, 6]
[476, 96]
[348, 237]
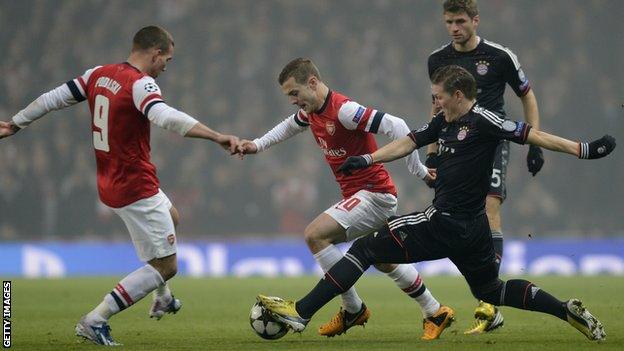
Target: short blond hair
[301, 69]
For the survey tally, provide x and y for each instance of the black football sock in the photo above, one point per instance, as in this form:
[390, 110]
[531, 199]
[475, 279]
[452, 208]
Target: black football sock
[381, 247]
[525, 295]
[337, 280]
[497, 239]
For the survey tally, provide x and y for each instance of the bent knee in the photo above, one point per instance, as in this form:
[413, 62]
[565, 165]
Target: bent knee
[312, 237]
[385, 267]
[317, 239]
[172, 271]
[489, 292]
[167, 267]
[169, 272]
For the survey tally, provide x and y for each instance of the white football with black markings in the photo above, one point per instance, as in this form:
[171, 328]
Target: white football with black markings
[264, 324]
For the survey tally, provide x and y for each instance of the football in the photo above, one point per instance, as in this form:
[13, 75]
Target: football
[264, 324]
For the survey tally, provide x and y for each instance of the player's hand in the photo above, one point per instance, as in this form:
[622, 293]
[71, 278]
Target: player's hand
[430, 178]
[246, 147]
[535, 159]
[355, 162]
[8, 129]
[228, 142]
[432, 160]
[597, 148]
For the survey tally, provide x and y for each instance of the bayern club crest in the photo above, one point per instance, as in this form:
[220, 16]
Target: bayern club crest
[463, 132]
[331, 128]
[482, 67]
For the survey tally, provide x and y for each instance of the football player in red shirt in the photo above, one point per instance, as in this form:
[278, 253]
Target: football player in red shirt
[343, 128]
[124, 99]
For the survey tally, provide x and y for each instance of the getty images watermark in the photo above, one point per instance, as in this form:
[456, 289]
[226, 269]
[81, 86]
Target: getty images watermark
[6, 314]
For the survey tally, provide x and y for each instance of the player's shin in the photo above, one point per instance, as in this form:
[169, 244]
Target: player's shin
[408, 279]
[327, 258]
[522, 294]
[337, 280]
[128, 291]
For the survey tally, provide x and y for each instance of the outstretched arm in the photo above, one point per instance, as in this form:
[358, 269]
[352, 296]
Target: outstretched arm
[7, 129]
[148, 100]
[54, 99]
[552, 142]
[60, 97]
[587, 150]
[395, 150]
[179, 122]
[289, 127]
[396, 128]
[399, 148]
[522, 133]
[390, 152]
[354, 116]
[199, 130]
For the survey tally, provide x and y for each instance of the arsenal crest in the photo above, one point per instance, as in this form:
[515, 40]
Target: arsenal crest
[331, 128]
[171, 239]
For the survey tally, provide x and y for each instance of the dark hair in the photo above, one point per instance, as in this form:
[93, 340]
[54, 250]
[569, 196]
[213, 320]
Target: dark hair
[453, 78]
[301, 69]
[152, 37]
[459, 6]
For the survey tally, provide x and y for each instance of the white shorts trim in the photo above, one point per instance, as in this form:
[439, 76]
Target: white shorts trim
[151, 226]
[363, 213]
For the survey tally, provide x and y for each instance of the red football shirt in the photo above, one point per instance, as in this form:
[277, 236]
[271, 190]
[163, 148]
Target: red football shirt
[344, 128]
[119, 98]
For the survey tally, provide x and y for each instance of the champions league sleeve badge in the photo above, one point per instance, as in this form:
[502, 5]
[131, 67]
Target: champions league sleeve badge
[509, 126]
[150, 87]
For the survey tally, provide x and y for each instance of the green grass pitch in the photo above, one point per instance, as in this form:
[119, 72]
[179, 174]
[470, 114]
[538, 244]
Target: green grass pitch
[215, 316]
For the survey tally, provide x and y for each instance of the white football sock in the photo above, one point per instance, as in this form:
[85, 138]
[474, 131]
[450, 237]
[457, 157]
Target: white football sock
[327, 258]
[407, 278]
[128, 291]
[163, 293]
[100, 314]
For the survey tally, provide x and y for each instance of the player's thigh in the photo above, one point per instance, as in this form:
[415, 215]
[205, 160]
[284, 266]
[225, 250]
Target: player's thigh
[363, 213]
[475, 257]
[405, 239]
[151, 226]
[324, 228]
[498, 187]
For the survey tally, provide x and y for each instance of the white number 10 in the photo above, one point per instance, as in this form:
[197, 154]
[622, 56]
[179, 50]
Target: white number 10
[100, 119]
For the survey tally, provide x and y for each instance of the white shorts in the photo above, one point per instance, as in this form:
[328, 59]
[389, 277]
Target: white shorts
[363, 213]
[151, 226]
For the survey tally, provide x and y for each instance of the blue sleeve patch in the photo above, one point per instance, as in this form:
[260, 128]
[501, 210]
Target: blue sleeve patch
[358, 114]
[519, 128]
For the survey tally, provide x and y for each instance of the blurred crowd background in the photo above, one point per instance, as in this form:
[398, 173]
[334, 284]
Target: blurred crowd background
[228, 56]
